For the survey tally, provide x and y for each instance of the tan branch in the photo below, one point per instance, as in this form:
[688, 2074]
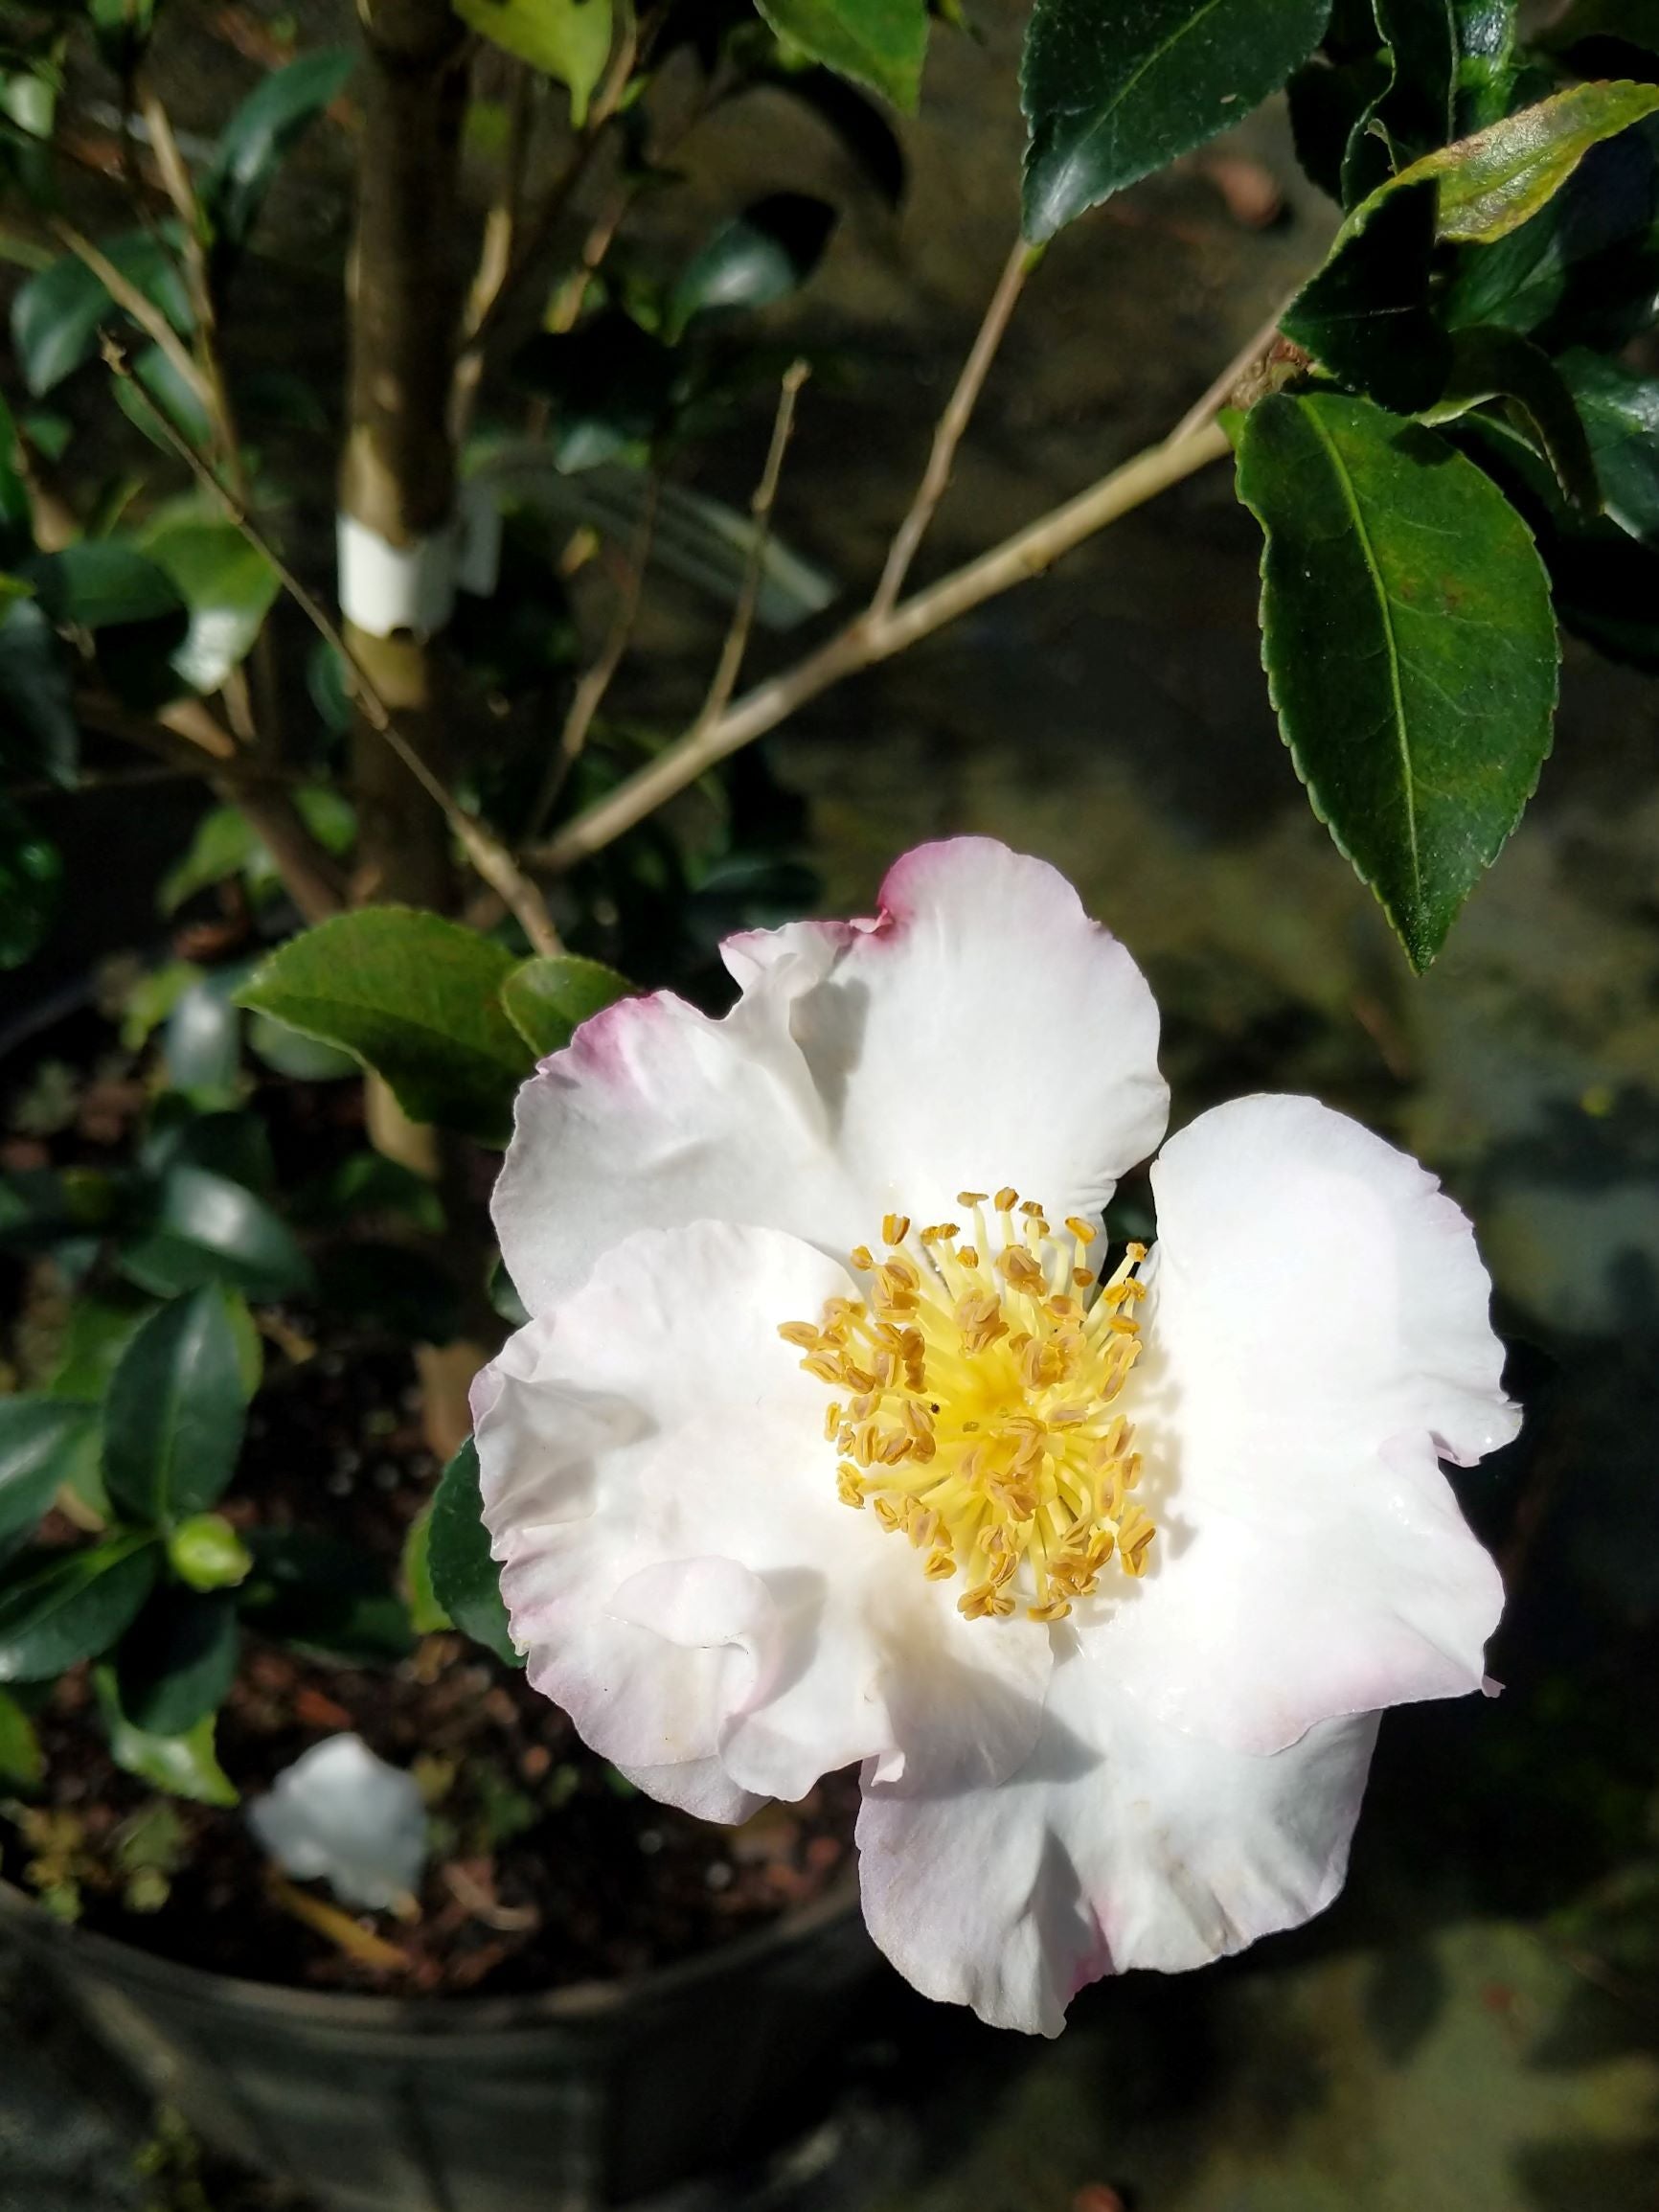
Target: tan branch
[144, 311]
[952, 423]
[869, 640]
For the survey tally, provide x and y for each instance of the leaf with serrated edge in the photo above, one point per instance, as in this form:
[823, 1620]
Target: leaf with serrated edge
[411, 996]
[1113, 89]
[548, 998]
[881, 43]
[1409, 642]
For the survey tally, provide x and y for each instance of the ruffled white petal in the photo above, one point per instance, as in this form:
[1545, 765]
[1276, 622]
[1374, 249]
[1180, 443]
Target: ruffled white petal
[1121, 1843]
[1317, 1331]
[675, 1563]
[981, 1031]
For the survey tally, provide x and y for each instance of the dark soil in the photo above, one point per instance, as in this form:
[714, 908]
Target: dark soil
[546, 1868]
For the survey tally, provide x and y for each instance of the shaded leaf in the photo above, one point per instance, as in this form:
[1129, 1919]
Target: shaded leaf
[209, 1229]
[1620, 412]
[21, 1765]
[393, 1288]
[858, 123]
[1487, 63]
[610, 383]
[1113, 89]
[548, 998]
[569, 39]
[31, 886]
[174, 1412]
[426, 1615]
[56, 315]
[184, 1766]
[1366, 316]
[161, 386]
[465, 1580]
[38, 733]
[102, 584]
[1495, 364]
[59, 1608]
[415, 998]
[290, 1053]
[202, 1042]
[760, 255]
[252, 145]
[1409, 642]
[881, 43]
[41, 1438]
[325, 1596]
[178, 1661]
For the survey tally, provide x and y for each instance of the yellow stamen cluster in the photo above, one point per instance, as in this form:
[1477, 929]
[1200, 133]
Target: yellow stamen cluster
[973, 1411]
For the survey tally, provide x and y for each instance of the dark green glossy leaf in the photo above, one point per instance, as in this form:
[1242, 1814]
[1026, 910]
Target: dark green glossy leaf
[56, 315]
[21, 1765]
[568, 40]
[1496, 364]
[41, 1207]
[174, 1412]
[760, 255]
[548, 998]
[233, 1144]
[1366, 316]
[161, 385]
[412, 997]
[222, 846]
[59, 1608]
[1619, 411]
[881, 43]
[98, 1331]
[31, 886]
[1410, 646]
[16, 521]
[465, 1580]
[178, 1661]
[42, 1437]
[1113, 89]
[184, 1766]
[228, 586]
[38, 734]
[325, 1596]
[209, 1229]
[301, 1057]
[271, 120]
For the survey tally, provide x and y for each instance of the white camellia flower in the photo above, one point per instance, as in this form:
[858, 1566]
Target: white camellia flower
[837, 1436]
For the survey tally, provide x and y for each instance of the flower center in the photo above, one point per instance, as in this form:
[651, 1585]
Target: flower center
[974, 1409]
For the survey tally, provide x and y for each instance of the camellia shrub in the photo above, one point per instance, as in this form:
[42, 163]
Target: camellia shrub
[830, 1430]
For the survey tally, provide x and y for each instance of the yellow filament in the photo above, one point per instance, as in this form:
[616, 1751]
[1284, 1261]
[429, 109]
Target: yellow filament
[975, 1407]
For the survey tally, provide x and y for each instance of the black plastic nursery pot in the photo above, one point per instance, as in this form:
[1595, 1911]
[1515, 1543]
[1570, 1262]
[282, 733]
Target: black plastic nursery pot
[599, 2093]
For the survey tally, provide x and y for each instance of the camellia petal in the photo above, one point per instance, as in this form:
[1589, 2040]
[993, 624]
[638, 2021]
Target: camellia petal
[674, 1560]
[981, 1031]
[1119, 1843]
[1318, 1330]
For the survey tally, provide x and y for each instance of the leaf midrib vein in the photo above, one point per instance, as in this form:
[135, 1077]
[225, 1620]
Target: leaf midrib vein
[1385, 611]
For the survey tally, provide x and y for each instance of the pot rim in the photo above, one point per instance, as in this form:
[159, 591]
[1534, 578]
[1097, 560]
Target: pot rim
[572, 2004]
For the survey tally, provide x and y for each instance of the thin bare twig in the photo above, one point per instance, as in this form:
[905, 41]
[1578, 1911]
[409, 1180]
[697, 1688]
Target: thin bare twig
[731, 661]
[489, 857]
[952, 423]
[126, 294]
[590, 694]
[1211, 402]
[496, 254]
[865, 642]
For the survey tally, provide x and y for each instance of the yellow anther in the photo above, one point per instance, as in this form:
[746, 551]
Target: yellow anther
[977, 1416]
[862, 1258]
[970, 1198]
